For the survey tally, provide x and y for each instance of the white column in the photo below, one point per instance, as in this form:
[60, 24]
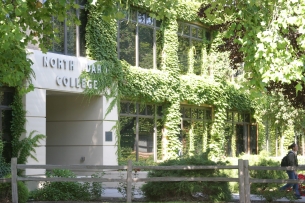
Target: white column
[35, 107]
[109, 134]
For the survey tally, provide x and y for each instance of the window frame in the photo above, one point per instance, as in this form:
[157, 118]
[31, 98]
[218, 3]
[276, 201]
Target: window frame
[190, 36]
[129, 18]
[77, 34]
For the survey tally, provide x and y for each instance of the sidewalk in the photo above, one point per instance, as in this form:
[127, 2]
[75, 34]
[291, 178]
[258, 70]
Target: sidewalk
[113, 192]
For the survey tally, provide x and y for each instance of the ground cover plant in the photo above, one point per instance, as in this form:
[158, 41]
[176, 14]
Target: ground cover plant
[187, 191]
[67, 191]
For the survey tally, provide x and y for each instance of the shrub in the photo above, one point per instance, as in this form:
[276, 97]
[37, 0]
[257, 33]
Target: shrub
[269, 191]
[6, 192]
[165, 191]
[62, 191]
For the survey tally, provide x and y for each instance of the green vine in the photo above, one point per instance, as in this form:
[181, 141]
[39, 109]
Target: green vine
[165, 86]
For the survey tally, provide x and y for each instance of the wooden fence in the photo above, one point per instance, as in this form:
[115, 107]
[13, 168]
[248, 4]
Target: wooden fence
[243, 179]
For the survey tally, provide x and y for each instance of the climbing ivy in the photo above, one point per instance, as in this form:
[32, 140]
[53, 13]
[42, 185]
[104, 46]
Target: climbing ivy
[165, 86]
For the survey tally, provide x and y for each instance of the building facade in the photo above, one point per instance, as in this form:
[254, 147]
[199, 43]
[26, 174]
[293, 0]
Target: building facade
[167, 102]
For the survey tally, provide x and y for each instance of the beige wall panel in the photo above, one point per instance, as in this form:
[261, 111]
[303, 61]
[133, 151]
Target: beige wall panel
[41, 157]
[75, 133]
[109, 155]
[35, 103]
[113, 114]
[68, 155]
[108, 127]
[38, 124]
[74, 107]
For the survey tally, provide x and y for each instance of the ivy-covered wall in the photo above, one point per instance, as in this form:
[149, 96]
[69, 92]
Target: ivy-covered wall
[165, 86]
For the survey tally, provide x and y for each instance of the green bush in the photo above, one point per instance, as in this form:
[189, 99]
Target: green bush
[171, 191]
[6, 192]
[66, 191]
[269, 191]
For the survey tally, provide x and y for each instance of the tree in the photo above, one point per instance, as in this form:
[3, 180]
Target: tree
[267, 37]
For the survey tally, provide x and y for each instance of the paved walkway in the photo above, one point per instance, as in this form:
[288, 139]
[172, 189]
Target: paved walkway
[113, 192]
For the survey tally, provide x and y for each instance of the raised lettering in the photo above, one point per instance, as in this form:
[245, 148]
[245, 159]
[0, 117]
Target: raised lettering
[76, 82]
[59, 63]
[95, 84]
[45, 61]
[88, 68]
[65, 81]
[72, 82]
[89, 84]
[52, 62]
[58, 80]
[99, 68]
[84, 83]
[93, 70]
[71, 65]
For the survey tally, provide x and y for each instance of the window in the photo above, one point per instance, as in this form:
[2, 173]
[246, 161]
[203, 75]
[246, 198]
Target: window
[195, 129]
[70, 39]
[140, 131]
[240, 129]
[190, 36]
[6, 99]
[139, 40]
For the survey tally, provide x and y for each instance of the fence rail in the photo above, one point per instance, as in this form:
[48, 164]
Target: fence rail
[243, 179]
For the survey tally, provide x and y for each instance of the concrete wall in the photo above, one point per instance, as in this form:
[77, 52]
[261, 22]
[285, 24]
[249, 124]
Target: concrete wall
[76, 131]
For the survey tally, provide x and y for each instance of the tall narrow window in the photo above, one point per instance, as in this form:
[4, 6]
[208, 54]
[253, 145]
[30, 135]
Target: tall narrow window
[139, 40]
[70, 38]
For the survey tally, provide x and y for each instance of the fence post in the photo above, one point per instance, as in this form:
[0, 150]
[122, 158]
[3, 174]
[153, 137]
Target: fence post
[247, 181]
[241, 174]
[129, 181]
[14, 180]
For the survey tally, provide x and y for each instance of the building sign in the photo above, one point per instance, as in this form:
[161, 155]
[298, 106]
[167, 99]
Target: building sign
[67, 66]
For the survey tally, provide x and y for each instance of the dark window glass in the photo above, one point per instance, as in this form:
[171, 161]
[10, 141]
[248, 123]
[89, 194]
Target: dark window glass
[146, 47]
[200, 114]
[209, 114]
[186, 30]
[194, 32]
[142, 109]
[141, 17]
[158, 23]
[200, 33]
[58, 44]
[6, 98]
[194, 113]
[159, 111]
[66, 34]
[208, 36]
[147, 53]
[150, 110]
[197, 56]
[247, 118]
[127, 42]
[187, 112]
[132, 108]
[133, 15]
[149, 20]
[124, 107]
[82, 32]
[71, 36]
[183, 48]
